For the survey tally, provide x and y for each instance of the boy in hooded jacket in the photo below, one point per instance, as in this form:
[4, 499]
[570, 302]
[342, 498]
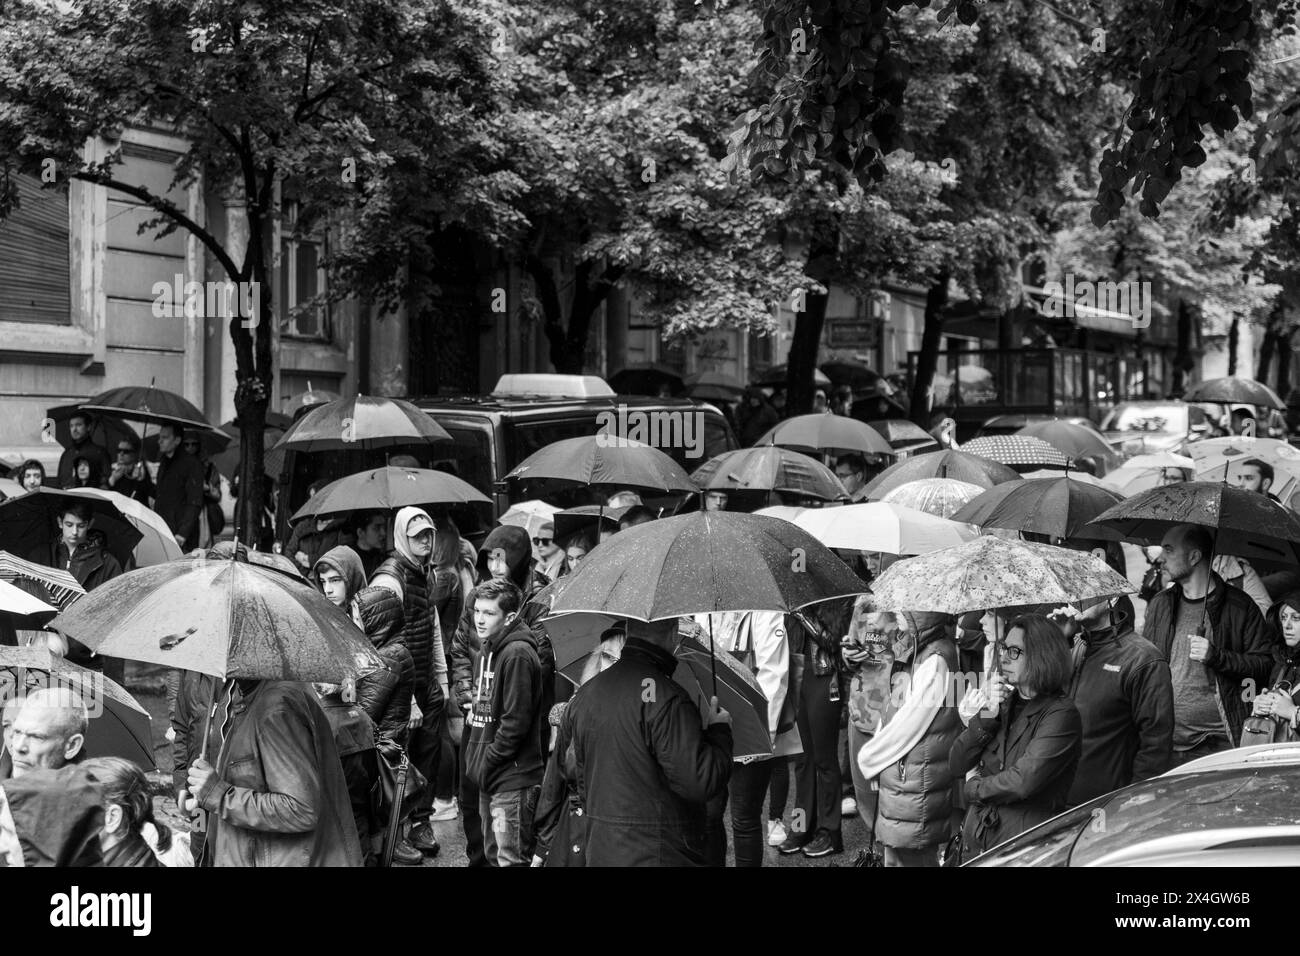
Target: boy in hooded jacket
[503, 753]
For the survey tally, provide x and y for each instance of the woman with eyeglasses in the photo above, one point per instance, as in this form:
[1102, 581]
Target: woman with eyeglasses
[1281, 699]
[1023, 737]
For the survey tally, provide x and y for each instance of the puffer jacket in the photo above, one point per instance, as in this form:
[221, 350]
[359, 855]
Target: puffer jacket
[385, 695]
[417, 628]
[917, 793]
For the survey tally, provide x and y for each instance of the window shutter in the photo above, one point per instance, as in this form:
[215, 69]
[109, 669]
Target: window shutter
[35, 269]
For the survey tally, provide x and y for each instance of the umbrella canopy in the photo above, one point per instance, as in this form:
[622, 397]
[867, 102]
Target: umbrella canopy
[737, 691]
[702, 562]
[295, 404]
[10, 488]
[573, 637]
[157, 542]
[227, 462]
[529, 515]
[364, 422]
[105, 431]
[605, 459]
[645, 378]
[776, 375]
[21, 602]
[570, 521]
[149, 405]
[1247, 524]
[1051, 474]
[387, 489]
[227, 618]
[971, 469]
[903, 435]
[990, 573]
[118, 727]
[935, 496]
[877, 526]
[821, 432]
[1216, 459]
[1143, 472]
[714, 386]
[1074, 441]
[52, 585]
[1235, 391]
[27, 523]
[1017, 450]
[769, 468]
[1059, 507]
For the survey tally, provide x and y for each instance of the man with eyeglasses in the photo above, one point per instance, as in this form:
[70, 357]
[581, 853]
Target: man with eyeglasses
[851, 470]
[550, 556]
[129, 476]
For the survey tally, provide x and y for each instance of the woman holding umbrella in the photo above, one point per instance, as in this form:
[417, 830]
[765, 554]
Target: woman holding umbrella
[1023, 736]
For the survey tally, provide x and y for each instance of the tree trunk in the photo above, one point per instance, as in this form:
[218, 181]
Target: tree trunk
[252, 381]
[936, 300]
[1267, 348]
[1183, 351]
[1234, 335]
[568, 350]
[801, 363]
[1284, 362]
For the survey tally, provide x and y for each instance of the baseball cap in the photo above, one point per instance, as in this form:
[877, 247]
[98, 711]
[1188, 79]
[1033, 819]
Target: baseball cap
[421, 522]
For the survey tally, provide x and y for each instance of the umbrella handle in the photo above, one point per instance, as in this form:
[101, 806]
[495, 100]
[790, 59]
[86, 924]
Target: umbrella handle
[713, 659]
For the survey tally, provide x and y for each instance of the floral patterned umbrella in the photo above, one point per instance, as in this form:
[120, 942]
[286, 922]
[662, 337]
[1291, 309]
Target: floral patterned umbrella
[990, 573]
[941, 497]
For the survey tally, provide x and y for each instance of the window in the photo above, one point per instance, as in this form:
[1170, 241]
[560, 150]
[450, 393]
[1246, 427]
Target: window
[302, 279]
[35, 264]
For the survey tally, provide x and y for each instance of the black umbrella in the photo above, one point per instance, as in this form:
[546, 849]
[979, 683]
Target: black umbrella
[28, 523]
[714, 386]
[769, 468]
[776, 375]
[645, 378]
[149, 405]
[588, 518]
[605, 459]
[1059, 507]
[857, 376]
[1235, 391]
[903, 435]
[1248, 524]
[104, 431]
[707, 674]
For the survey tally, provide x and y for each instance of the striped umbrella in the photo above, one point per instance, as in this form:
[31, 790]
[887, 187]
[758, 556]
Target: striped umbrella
[52, 585]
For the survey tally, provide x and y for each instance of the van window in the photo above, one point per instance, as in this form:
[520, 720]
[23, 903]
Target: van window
[468, 455]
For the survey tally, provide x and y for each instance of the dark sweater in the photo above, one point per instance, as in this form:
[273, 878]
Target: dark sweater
[504, 751]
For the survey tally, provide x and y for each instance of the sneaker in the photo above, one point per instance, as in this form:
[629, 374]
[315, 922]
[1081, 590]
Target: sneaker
[776, 834]
[793, 844]
[848, 806]
[421, 837]
[444, 810]
[824, 843]
[406, 855]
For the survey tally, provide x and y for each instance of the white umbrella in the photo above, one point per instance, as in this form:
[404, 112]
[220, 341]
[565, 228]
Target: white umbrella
[942, 497]
[878, 526]
[529, 515]
[17, 601]
[158, 544]
[1144, 472]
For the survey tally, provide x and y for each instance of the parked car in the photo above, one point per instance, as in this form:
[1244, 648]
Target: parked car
[494, 433]
[1235, 808]
[1010, 424]
[1139, 428]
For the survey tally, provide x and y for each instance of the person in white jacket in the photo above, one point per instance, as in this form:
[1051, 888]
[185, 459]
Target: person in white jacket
[758, 639]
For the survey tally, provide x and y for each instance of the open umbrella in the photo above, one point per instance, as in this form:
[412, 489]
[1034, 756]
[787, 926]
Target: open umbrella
[645, 378]
[27, 523]
[53, 586]
[990, 573]
[605, 459]
[714, 386]
[1216, 459]
[1074, 441]
[769, 468]
[11, 489]
[776, 375]
[149, 405]
[818, 433]
[105, 431]
[939, 464]
[1247, 524]
[157, 542]
[227, 462]
[1143, 472]
[935, 496]
[387, 489]
[702, 562]
[1059, 507]
[227, 618]
[364, 422]
[529, 515]
[707, 674]
[877, 526]
[118, 727]
[857, 376]
[1017, 451]
[1235, 391]
[591, 518]
[295, 404]
[903, 435]
[20, 602]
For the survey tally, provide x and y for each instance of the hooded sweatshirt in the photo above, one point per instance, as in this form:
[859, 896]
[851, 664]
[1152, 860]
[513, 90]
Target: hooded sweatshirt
[347, 563]
[421, 632]
[506, 718]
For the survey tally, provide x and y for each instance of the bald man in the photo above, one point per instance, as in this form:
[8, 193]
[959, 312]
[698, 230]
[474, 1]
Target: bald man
[49, 732]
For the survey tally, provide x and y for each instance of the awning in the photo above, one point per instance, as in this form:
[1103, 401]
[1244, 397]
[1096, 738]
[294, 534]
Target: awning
[1069, 301]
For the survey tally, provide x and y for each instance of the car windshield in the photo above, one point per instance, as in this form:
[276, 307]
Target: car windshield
[1166, 419]
[468, 456]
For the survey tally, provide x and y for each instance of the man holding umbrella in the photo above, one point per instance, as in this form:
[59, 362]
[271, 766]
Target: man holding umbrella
[82, 447]
[180, 488]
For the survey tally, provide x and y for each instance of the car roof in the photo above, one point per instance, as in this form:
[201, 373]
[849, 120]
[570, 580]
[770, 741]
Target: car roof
[543, 403]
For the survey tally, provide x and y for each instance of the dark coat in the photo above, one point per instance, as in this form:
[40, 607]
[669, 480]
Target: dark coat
[560, 822]
[180, 495]
[504, 749]
[386, 695]
[101, 463]
[645, 766]
[1242, 646]
[417, 628]
[916, 793]
[1122, 687]
[278, 796]
[140, 489]
[315, 544]
[1026, 764]
[91, 566]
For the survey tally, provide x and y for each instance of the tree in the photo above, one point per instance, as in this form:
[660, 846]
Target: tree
[378, 115]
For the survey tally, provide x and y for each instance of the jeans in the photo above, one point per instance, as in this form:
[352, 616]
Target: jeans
[511, 813]
[817, 769]
[778, 791]
[1211, 745]
[424, 746]
[469, 809]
